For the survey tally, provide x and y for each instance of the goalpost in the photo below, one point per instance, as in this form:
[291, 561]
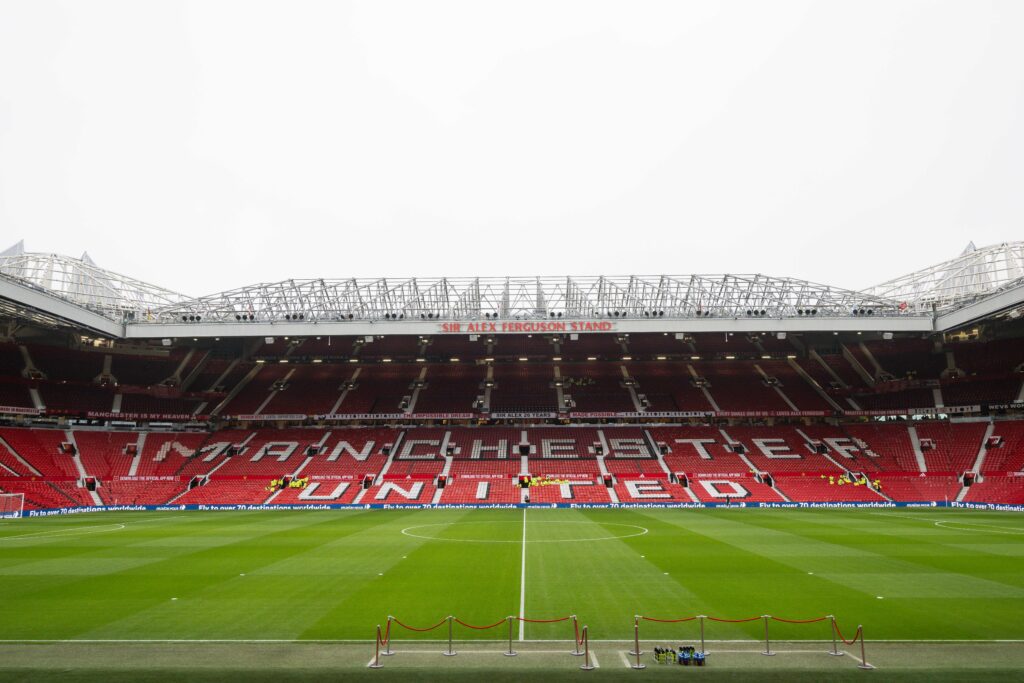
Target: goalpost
[12, 505]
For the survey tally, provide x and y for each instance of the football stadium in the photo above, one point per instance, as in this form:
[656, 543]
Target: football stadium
[611, 477]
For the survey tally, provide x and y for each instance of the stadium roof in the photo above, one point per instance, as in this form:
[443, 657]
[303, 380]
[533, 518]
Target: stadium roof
[58, 290]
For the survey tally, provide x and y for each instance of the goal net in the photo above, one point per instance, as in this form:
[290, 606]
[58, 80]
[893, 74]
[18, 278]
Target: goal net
[11, 505]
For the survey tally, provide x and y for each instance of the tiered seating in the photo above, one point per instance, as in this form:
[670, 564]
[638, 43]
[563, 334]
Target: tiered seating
[780, 449]
[889, 441]
[956, 445]
[103, 453]
[400, 492]
[596, 387]
[76, 399]
[311, 390]
[357, 452]
[380, 388]
[564, 442]
[850, 452]
[903, 357]
[143, 371]
[46, 495]
[627, 442]
[689, 457]
[478, 490]
[842, 367]
[972, 391]
[573, 492]
[319, 491]
[896, 400]
[818, 374]
[451, 388]
[15, 394]
[268, 446]
[629, 453]
[484, 469]
[257, 391]
[227, 492]
[41, 449]
[140, 492]
[736, 489]
[523, 387]
[915, 488]
[812, 488]
[572, 469]
[486, 441]
[1009, 457]
[172, 454]
[67, 364]
[668, 387]
[366, 444]
[989, 358]
[735, 385]
[997, 489]
[161, 405]
[622, 467]
[11, 362]
[794, 386]
[415, 469]
[637, 490]
[209, 378]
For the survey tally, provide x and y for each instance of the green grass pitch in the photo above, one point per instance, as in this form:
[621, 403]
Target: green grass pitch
[906, 575]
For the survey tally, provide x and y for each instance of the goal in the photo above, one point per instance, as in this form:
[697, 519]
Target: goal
[11, 505]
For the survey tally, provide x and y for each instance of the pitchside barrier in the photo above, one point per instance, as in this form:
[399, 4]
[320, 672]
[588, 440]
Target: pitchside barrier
[580, 637]
[858, 636]
[51, 512]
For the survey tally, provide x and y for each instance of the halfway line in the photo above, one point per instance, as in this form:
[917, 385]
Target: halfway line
[522, 585]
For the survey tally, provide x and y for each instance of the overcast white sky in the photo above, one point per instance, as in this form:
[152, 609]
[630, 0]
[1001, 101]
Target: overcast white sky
[208, 145]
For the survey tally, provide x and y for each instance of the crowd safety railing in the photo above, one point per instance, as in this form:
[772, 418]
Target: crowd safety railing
[580, 636]
[581, 640]
[858, 636]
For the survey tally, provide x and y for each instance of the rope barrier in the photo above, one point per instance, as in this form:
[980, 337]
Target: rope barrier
[581, 636]
[460, 622]
[421, 630]
[858, 635]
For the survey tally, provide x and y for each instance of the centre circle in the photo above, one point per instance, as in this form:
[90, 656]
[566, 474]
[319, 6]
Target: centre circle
[595, 533]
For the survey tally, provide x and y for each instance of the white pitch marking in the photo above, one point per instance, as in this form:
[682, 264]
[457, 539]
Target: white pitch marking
[593, 660]
[522, 584]
[622, 654]
[71, 531]
[406, 532]
[991, 528]
[857, 659]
